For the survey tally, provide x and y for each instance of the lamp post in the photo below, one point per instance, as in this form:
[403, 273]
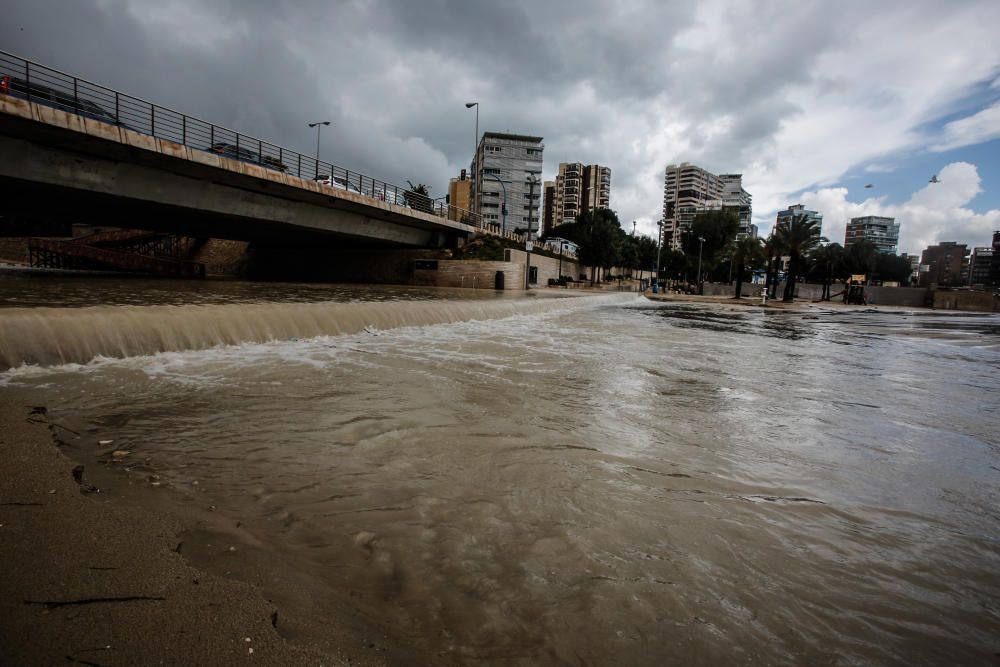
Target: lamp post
[659, 239]
[475, 154]
[701, 284]
[503, 204]
[532, 182]
[318, 125]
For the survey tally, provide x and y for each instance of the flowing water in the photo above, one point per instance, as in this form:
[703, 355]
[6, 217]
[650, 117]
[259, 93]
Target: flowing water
[586, 480]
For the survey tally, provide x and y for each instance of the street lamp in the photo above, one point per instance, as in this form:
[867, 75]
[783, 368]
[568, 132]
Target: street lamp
[318, 125]
[659, 239]
[475, 156]
[701, 284]
[503, 204]
[532, 182]
[475, 144]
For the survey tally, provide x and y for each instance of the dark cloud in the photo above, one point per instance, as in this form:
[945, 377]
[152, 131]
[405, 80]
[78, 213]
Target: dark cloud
[633, 84]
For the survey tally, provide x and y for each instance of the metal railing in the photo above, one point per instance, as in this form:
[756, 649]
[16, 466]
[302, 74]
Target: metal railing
[37, 83]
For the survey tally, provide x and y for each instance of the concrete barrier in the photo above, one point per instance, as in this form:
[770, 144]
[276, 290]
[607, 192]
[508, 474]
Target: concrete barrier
[982, 302]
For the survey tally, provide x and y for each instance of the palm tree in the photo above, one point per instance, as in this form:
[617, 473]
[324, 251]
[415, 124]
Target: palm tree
[747, 252]
[828, 261]
[772, 251]
[797, 238]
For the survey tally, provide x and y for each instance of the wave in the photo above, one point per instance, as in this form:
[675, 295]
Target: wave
[53, 336]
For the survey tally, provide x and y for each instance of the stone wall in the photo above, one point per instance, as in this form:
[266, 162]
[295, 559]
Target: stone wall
[983, 302]
[482, 274]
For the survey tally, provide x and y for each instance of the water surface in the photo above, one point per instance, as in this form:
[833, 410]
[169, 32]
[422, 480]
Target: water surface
[600, 480]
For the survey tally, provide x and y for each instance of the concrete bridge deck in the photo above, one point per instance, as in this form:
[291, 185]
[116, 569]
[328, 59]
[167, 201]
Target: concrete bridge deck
[58, 163]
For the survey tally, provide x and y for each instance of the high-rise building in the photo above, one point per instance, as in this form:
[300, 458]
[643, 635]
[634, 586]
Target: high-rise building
[984, 266]
[880, 231]
[689, 190]
[945, 264]
[995, 262]
[459, 197]
[736, 198]
[548, 206]
[511, 165]
[979, 266]
[580, 188]
[785, 217]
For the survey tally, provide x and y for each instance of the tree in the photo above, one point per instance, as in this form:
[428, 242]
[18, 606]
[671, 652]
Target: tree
[646, 248]
[890, 267]
[674, 262]
[747, 253]
[797, 238]
[599, 236]
[828, 261]
[629, 252]
[861, 257]
[418, 197]
[772, 251]
[718, 228]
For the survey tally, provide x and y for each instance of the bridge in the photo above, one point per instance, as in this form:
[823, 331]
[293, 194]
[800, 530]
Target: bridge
[75, 150]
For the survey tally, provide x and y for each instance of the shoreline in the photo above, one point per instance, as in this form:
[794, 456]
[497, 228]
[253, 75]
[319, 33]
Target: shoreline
[778, 304]
[87, 581]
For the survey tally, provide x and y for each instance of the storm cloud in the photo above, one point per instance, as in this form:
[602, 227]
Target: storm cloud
[792, 95]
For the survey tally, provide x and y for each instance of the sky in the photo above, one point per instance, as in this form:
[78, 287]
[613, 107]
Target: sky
[811, 101]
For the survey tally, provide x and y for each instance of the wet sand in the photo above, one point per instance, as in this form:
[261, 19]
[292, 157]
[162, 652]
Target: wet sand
[774, 304]
[85, 581]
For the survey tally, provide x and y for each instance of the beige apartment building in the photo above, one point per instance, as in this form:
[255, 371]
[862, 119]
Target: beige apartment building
[578, 188]
[689, 190]
[459, 197]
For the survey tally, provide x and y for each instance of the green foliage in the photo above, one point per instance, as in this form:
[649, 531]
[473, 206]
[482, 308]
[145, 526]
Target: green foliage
[646, 250]
[629, 252]
[483, 248]
[675, 264]
[797, 239]
[748, 254]
[861, 257]
[718, 228]
[889, 267]
[418, 197]
[600, 237]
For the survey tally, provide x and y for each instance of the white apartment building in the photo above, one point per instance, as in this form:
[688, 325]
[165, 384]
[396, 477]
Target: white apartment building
[689, 190]
[508, 165]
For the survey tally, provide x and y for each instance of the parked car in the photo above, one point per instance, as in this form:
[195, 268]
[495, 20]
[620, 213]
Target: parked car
[58, 99]
[247, 155]
[337, 182]
[389, 194]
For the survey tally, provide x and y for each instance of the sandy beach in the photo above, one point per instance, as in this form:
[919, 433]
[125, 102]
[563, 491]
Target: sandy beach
[90, 582]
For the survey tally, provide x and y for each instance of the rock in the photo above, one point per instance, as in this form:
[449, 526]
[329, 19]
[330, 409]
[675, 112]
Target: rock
[120, 453]
[104, 442]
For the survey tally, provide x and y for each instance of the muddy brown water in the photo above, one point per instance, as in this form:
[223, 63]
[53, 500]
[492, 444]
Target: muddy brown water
[591, 480]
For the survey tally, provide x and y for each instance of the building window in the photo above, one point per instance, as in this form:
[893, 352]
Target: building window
[493, 149]
[491, 171]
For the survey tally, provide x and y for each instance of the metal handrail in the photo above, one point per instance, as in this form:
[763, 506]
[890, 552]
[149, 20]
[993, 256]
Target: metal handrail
[41, 84]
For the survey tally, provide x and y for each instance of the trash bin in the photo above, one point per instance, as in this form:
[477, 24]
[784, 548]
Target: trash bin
[498, 280]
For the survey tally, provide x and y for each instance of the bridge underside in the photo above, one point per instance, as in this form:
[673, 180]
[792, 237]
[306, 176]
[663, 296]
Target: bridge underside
[52, 173]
